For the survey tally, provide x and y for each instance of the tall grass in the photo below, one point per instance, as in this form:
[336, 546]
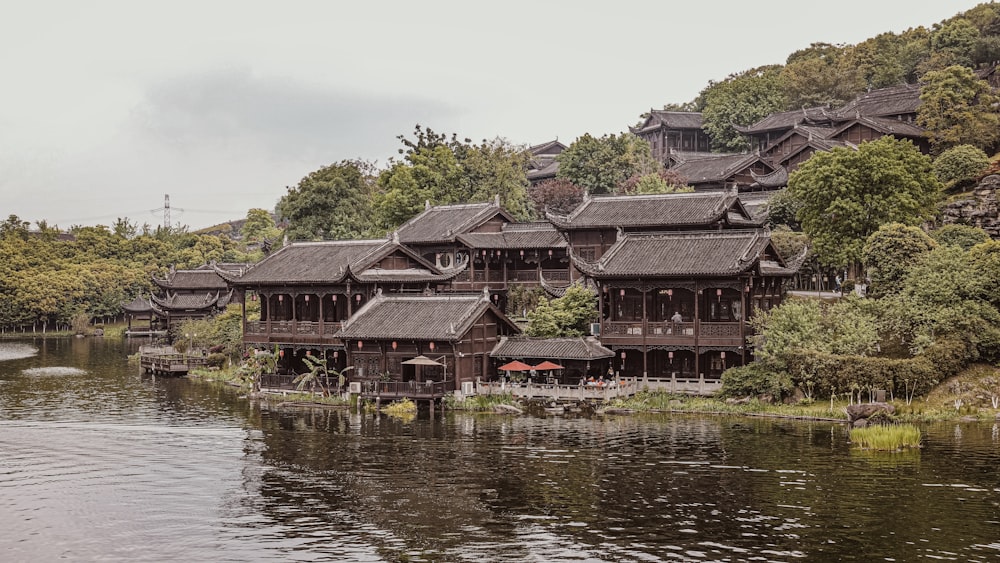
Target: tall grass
[886, 438]
[479, 403]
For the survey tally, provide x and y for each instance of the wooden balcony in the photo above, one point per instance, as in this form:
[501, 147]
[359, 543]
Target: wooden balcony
[496, 279]
[296, 332]
[415, 390]
[666, 333]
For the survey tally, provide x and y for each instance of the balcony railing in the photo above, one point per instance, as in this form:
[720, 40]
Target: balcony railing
[406, 389]
[703, 329]
[309, 328]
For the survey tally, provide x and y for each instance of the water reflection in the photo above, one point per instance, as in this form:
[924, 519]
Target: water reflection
[112, 464]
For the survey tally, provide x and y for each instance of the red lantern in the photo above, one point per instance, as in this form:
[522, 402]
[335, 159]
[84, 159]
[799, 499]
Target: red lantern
[621, 292]
[334, 297]
[623, 354]
[670, 355]
[307, 298]
[281, 353]
[431, 345]
[360, 345]
[718, 293]
[281, 298]
[550, 253]
[394, 344]
[309, 352]
[522, 254]
[670, 293]
[357, 298]
[336, 354]
[723, 354]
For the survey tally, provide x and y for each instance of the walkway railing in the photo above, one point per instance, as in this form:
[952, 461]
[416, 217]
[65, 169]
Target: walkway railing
[406, 389]
[558, 392]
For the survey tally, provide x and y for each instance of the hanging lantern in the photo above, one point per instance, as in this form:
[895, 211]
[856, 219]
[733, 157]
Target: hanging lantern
[357, 298]
[718, 293]
[431, 346]
[670, 355]
[723, 354]
[623, 354]
[550, 253]
[360, 345]
[281, 298]
[394, 344]
[522, 254]
[281, 353]
[336, 354]
[309, 352]
[621, 292]
[334, 297]
[670, 293]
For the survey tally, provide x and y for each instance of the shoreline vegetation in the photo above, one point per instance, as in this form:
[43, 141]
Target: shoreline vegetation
[950, 401]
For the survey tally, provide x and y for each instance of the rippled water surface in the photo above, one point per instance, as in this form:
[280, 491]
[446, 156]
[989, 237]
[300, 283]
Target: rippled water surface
[100, 462]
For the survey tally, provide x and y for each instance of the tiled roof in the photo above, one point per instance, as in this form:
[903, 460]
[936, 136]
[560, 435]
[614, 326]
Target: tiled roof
[181, 301]
[714, 169]
[661, 210]
[311, 262]
[895, 100]
[542, 168]
[516, 235]
[775, 179]
[333, 261]
[192, 280]
[809, 132]
[549, 148]
[788, 119]
[670, 120]
[418, 317]
[681, 254]
[138, 305]
[583, 348]
[883, 125]
[442, 223]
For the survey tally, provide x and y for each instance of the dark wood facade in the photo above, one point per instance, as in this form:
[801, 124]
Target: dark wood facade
[667, 131]
[676, 304]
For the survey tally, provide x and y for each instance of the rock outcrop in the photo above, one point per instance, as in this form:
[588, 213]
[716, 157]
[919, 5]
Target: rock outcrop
[980, 210]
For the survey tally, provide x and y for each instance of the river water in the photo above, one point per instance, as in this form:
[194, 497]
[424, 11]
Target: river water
[101, 462]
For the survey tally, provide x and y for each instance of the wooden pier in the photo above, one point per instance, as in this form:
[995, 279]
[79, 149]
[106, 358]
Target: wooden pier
[165, 360]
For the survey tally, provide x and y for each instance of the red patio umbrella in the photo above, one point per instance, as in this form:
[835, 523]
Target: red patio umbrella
[547, 365]
[515, 366]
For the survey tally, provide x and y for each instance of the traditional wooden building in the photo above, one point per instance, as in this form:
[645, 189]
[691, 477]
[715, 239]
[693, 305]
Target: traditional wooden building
[667, 131]
[542, 165]
[581, 357]
[456, 331]
[769, 130]
[192, 294]
[598, 223]
[898, 103]
[308, 289]
[526, 254]
[433, 234]
[716, 171]
[676, 304]
[139, 317]
[861, 129]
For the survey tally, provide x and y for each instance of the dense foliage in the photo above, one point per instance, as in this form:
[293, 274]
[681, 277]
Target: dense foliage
[47, 281]
[569, 315]
[332, 203]
[846, 195]
[959, 167]
[958, 108]
[740, 100]
[602, 165]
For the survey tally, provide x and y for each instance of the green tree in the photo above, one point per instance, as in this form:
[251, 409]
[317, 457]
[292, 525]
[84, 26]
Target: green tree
[889, 252]
[741, 99]
[661, 182]
[332, 203]
[259, 225]
[947, 293]
[962, 236]
[445, 171]
[569, 315]
[847, 194]
[957, 108]
[959, 167]
[819, 75]
[601, 165]
[889, 59]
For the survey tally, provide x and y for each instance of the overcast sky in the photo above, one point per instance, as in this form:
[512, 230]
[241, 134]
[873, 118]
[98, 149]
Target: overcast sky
[110, 105]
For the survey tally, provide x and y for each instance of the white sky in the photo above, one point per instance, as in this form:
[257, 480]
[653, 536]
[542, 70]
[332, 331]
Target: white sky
[109, 105]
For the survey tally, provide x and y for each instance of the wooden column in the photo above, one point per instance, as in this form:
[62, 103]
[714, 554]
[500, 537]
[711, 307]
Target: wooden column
[645, 326]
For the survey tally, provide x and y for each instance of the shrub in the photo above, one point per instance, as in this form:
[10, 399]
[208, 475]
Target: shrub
[754, 379]
[216, 360]
[959, 167]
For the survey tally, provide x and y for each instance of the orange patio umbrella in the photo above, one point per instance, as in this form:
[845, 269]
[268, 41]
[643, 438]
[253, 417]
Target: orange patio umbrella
[547, 365]
[515, 366]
